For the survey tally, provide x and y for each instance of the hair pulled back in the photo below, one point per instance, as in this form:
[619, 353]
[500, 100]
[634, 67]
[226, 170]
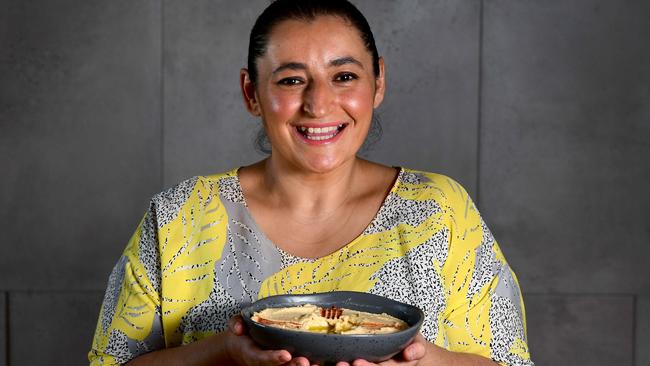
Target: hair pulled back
[307, 10]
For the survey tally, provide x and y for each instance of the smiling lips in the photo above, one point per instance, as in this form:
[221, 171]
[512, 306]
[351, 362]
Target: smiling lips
[321, 134]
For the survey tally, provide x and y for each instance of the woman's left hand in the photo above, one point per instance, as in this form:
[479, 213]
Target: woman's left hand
[410, 356]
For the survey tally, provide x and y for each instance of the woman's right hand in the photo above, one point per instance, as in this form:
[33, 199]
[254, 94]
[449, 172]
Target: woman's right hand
[229, 347]
[245, 352]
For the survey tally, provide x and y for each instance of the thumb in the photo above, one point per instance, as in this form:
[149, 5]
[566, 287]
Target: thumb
[236, 325]
[414, 351]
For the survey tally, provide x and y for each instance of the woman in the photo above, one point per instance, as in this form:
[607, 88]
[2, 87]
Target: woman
[312, 217]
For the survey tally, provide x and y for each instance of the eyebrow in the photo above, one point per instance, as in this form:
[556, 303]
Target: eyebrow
[290, 66]
[345, 61]
[334, 63]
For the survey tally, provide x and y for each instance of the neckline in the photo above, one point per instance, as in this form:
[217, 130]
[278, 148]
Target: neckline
[283, 252]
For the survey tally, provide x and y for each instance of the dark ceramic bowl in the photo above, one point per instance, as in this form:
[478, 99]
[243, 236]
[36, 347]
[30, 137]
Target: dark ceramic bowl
[329, 348]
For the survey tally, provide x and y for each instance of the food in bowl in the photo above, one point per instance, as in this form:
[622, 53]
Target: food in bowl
[325, 349]
[334, 320]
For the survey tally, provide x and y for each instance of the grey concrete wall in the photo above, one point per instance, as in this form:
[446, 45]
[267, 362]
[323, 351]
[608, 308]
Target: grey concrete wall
[565, 142]
[52, 327]
[3, 329]
[642, 331]
[540, 108]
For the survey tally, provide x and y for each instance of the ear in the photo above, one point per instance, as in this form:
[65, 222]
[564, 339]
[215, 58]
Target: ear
[249, 93]
[380, 84]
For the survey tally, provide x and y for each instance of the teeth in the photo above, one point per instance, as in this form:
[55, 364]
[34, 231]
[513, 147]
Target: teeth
[331, 131]
[320, 138]
[320, 129]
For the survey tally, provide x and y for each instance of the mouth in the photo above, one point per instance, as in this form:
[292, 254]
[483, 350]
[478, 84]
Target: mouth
[321, 134]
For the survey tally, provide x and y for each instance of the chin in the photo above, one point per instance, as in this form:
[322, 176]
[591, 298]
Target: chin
[322, 164]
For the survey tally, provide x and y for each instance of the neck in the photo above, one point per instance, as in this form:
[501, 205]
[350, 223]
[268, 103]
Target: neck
[312, 193]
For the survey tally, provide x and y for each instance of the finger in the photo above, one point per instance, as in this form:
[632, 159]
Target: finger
[362, 363]
[231, 323]
[341, 363]
[236, 325]
[300, 361]
[279, 357]
[256, 356]
[260, 357]
[413, 352]
[293, 362]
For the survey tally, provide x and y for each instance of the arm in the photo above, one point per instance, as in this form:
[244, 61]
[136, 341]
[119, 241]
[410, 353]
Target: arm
[207, 351]
[424, 353]
[129, 330]
[231, 347]
[483, 321]
[439, 356]
[129, 322]
[135, 325]
[485, 312]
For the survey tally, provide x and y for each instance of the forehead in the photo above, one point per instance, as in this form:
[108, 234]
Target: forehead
[320, 39]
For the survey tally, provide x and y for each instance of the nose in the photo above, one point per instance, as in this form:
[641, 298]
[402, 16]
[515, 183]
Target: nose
[318, 99]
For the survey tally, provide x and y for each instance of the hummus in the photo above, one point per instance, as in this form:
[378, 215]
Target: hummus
[312, 318]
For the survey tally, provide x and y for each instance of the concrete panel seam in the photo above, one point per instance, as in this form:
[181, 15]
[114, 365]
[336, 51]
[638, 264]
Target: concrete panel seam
[7, 329]
[479, 107]
[23, 291]
[582, 294]
[634, 326]
[162, 93]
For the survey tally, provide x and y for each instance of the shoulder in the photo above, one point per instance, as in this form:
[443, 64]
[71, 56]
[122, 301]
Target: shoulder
[429, 185]
[467, 229]
[197, 191]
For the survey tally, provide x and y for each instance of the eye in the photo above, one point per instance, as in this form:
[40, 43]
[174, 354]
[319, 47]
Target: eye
[345, 77]
[290, 81]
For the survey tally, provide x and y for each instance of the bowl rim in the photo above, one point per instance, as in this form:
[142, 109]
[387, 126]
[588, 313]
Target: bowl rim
[417, 324]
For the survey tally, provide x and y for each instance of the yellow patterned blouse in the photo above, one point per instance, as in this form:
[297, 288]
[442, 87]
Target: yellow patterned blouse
[198, 257]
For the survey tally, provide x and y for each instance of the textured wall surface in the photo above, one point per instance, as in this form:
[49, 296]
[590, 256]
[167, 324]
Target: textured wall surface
[53, 328]
[206, 126]
[581, 330]
[541, 108]
[642, 333]
[3, 329]
[80, 141]
[566, 140]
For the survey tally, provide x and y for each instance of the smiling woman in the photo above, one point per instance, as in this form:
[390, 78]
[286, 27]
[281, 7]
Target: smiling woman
[315, 74]
[312, 217]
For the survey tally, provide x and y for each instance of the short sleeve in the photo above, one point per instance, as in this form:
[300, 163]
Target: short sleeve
[129, 323]
[485, 311]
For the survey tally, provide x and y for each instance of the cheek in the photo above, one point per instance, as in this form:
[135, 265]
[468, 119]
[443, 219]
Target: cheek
[283, 104]
[359, 102]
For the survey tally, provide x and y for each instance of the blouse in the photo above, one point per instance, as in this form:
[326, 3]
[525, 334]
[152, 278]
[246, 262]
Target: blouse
[198, 257]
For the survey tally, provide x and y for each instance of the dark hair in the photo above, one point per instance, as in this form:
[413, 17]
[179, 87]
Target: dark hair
[307, 10]
[281, 10]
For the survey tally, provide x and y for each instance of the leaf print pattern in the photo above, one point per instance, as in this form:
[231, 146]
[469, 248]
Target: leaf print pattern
[198, 257]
